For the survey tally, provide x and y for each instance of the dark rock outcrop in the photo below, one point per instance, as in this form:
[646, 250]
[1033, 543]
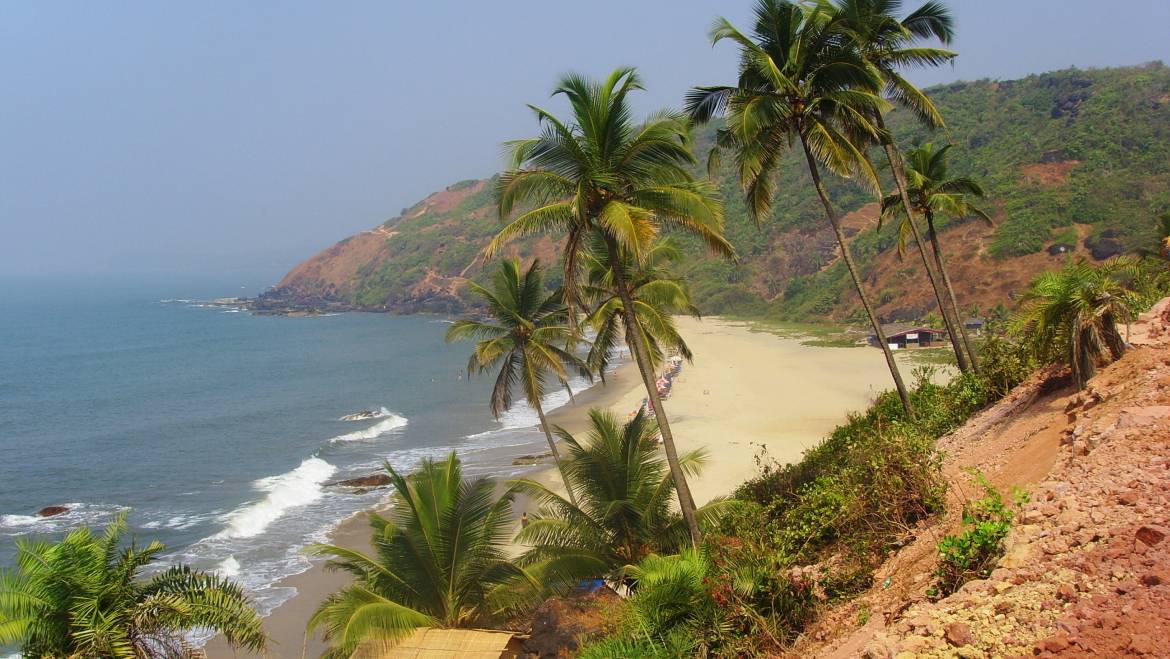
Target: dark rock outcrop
[373, 480]
[52, 511]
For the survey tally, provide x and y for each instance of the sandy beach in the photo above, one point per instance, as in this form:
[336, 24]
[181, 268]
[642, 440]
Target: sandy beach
[747, 390]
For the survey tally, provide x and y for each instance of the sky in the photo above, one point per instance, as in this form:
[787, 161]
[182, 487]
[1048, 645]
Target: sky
[238, 138]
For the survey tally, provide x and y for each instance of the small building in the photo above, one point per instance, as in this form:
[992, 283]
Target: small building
[974, 324]
[911, 336]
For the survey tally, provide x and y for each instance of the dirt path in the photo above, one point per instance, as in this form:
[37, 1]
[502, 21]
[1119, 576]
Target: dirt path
[1086, 571]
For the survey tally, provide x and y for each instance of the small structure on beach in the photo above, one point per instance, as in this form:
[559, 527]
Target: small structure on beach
[911, 336]
[431, 643]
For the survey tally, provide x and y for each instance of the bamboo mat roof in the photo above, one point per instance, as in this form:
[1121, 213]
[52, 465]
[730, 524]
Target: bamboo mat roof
[429, 643]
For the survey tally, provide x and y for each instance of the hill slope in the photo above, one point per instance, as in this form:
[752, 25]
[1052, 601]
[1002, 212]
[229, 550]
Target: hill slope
[1076, 161]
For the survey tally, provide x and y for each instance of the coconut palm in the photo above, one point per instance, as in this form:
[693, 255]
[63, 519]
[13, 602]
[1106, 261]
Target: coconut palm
[1072, 314]
[933, 192]
[439, 561]
[604, 175]
[85, 597]
[801, 80]
[658, 296]
[623, 514]
[889, 43]
[528, 339]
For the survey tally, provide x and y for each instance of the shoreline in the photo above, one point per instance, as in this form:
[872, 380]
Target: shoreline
[286, 623]
[738, 397]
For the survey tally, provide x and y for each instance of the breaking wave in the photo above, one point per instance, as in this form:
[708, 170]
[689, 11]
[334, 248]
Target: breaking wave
[390, 422]
[296, 488]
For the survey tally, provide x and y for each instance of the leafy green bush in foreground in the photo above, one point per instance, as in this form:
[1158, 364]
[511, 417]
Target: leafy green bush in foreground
[973, 553]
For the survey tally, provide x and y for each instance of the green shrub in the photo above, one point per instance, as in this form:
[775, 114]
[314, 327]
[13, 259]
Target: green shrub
[973, 553]
[666, 612]
[1004, 363]
[674, 646]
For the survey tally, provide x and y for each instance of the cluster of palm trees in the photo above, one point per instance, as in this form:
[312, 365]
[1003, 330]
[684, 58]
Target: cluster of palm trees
[814, 73]
[819, 74]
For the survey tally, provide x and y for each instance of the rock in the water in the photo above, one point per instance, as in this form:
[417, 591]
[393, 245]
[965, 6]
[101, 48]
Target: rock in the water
[373, 480]
[531, 459]
[51, 511]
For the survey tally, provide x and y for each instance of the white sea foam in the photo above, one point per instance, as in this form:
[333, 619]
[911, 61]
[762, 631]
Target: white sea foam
[299, 487]
[78, 514]
[228, 567]
[379, 413]
[388, 424]
[20, 520]
[523, 416]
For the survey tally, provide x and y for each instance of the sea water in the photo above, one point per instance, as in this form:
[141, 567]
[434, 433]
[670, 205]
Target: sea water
[216, 430]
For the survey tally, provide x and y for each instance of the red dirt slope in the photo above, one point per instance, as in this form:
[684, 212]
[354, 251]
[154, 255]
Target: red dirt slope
[1087, 566]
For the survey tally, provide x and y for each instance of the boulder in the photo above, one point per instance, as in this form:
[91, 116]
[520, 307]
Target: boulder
[959, 634]
[52, 511]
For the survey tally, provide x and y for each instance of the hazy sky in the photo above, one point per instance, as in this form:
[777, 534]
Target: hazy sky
[241, 137]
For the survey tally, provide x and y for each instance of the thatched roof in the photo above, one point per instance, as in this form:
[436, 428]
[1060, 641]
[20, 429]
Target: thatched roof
[430, 643]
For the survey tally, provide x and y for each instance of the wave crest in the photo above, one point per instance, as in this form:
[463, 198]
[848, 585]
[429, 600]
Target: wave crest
[389, 423]
[296, 488]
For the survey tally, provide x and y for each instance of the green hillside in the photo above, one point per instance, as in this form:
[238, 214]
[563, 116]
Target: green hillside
[1075, 157]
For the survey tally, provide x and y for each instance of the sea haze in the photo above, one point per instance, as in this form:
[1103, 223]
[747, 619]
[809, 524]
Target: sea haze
[214, 428]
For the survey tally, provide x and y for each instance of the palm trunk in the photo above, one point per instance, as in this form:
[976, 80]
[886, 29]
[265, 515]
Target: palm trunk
[552, 446]
[848, 258]
[686, 502]
[946, 279]
[949, 320]
[943, 307]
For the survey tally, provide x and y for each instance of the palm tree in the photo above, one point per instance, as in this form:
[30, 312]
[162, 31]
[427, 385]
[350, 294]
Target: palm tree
[603, 175]
[888, 44]
[801, 79]
[932, 191]
[439, 561]
[657, 297]
[624, 510]
[529, 340]
[84, 597]
[1072, 314]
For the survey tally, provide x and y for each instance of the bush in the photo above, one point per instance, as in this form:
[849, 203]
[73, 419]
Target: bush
[668, 607]
[1003, 364]
[973, 553]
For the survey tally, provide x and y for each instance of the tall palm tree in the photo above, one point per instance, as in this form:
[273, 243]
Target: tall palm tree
[604, 175]
[529, 340]
[84, 597]
[439, 561]
[658, 296]
[801, 79]
[932, 191]
[624, 510]
[1072, 314]
[889, 43]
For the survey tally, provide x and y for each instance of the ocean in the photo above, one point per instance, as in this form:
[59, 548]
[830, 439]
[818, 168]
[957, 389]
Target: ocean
[214, 429]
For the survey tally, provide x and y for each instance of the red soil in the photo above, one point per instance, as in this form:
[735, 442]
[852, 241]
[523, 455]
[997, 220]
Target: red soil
[1086, 572]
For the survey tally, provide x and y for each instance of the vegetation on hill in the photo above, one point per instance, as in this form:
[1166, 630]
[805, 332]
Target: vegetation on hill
[1073, 157]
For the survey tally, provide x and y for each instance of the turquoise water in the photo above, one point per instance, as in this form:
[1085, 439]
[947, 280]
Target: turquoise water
[215, 429]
